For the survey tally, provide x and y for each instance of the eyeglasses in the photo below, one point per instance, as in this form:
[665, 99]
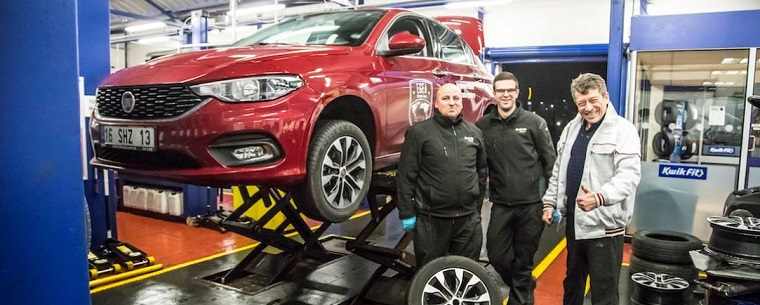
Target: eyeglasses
[502, 91]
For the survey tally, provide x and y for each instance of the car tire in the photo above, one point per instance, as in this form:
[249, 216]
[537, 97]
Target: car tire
[651, 288]
[735, 236]
[668, 247]
[346, 181]
[431, 282]
[687, 272]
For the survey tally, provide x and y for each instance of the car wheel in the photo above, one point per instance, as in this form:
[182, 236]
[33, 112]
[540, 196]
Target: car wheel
[339, 172]
[667, 247]
[650, 288]
[687, 272]
[737, 236]
[454, 280]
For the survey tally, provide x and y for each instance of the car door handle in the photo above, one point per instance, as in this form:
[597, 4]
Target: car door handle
[440, 73]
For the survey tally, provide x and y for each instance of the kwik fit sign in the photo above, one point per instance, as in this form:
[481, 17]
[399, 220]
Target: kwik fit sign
[683, 171]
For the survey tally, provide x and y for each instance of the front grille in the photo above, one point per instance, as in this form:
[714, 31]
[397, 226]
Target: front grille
[151, 102]
[157, 160]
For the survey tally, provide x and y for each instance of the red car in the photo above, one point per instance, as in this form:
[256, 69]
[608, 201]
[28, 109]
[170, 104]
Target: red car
[315, 102]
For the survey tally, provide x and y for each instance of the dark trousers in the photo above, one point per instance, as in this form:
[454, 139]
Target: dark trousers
[512, 241]
[600, 258]
[435, 237]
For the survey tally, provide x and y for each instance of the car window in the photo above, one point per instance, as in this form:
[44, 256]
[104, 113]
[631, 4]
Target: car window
[412, 25]
[451, 46]
[349, 28]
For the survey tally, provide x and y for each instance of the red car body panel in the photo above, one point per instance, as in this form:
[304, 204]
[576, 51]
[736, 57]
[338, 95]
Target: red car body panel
[328, 72]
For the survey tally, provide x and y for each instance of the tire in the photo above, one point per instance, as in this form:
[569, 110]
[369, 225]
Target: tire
[668, 247]
[736, 236]
[451, 268]
[659, 289]
[329, 141]
[686, 272]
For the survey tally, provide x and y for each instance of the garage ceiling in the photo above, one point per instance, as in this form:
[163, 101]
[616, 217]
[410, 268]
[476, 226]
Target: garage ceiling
[124, 12]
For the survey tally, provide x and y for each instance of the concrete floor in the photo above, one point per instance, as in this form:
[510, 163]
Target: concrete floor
[186, 286]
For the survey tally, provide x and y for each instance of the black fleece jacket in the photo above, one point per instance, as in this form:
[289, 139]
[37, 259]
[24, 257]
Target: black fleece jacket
[520, 152]
[443, 169]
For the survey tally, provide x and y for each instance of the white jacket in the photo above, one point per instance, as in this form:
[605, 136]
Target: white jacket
[612, 169]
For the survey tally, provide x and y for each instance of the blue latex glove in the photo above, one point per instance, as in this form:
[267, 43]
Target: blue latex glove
[408, 223]
[556, 217]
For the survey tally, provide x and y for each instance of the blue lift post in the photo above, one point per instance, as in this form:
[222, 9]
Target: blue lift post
[44, 254]
[616, 62]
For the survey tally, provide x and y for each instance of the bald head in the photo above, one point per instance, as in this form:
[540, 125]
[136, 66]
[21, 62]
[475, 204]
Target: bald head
[448, 100]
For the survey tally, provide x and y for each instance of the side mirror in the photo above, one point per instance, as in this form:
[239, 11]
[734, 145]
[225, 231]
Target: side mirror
[404, 43]
[754, 100]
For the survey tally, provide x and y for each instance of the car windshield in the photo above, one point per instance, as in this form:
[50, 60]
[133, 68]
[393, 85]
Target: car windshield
[348, 28]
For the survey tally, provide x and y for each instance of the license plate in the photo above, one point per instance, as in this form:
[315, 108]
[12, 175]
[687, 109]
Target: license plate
[135, 138]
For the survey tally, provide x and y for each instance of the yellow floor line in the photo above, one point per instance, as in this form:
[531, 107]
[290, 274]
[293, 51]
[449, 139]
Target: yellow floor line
[549, 258]
[198, 261]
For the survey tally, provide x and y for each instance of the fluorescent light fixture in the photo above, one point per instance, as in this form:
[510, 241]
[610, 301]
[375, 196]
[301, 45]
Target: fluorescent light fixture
[260, 9]
[716, 72]
[743, 61]
[152, 40]
[729, 61]
[145, 27]
[732, 72]
[469, 4]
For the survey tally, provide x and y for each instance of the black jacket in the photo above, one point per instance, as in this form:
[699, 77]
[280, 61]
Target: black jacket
[442, 169]
[520, 151]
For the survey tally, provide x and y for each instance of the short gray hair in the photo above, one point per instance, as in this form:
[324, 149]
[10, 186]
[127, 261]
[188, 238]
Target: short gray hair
[588, 81]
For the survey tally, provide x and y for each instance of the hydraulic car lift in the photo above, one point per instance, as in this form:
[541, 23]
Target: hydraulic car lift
[313, 270]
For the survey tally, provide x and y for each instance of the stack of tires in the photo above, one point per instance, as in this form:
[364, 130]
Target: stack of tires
[665, 252]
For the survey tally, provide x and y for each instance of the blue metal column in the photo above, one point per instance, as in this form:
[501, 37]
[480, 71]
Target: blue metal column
[44, 257]
[615, 60]
[94, 66]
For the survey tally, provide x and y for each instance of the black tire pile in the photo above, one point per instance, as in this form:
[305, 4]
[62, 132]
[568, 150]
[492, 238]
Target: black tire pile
[664, 254]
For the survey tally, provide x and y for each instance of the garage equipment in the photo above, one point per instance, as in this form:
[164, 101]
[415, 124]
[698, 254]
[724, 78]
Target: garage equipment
[313, 269]
[731, 261]
[127, 255]
[100, 266]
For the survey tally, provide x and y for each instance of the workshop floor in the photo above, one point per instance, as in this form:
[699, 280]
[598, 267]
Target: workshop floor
[189, 253]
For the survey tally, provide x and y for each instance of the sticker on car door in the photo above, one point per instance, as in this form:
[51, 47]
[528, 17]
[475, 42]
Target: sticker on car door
[421, 100]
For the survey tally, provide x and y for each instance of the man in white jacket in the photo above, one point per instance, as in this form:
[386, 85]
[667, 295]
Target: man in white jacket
[593, 184]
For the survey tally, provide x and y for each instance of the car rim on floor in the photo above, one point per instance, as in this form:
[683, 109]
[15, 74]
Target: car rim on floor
[343, 172]
[660, 281]
[455, 286]
[652, 288]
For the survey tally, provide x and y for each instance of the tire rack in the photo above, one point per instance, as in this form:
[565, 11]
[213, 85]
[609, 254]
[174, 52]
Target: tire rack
[383, 185]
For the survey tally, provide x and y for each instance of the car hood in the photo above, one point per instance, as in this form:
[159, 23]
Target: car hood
[210, 65]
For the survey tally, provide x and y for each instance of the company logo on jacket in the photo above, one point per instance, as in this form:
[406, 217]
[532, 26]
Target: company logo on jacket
[521, 130]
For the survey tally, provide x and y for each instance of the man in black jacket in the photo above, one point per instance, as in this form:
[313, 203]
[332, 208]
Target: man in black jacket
[441, 180]
[520, 160]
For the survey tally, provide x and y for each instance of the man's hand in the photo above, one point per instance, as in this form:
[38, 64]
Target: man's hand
[587, 200]
[408, 223]
[547, 217]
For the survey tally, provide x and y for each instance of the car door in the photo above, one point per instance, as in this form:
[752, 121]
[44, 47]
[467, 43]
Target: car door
[409, 83]
[463, 68]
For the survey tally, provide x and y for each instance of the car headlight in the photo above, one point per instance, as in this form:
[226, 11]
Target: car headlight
[250, 89]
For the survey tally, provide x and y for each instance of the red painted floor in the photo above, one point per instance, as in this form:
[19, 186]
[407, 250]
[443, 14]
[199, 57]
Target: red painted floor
[173, 243]
[549, 286]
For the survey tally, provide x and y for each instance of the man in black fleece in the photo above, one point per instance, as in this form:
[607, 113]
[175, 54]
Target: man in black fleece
[441, 180]
[520, 160]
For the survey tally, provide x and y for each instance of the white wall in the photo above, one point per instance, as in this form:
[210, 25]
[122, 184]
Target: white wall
[547, 22]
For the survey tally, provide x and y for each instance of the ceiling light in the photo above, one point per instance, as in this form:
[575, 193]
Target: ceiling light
[743, 61]
[260, 9]
[152, 40]
[145, 27]
[732, 72]
[469, 4]
[717, 72]
[729, 61]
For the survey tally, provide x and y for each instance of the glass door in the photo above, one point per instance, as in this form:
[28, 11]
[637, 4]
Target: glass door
[753, 138]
